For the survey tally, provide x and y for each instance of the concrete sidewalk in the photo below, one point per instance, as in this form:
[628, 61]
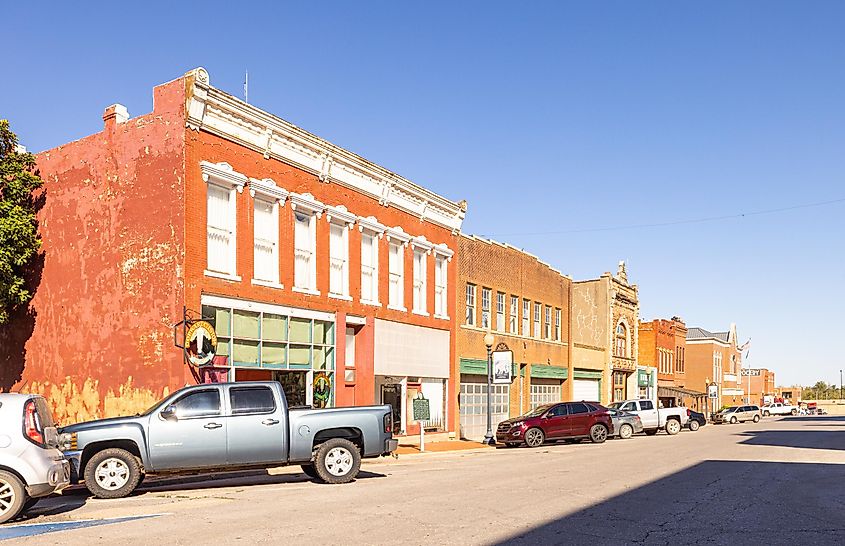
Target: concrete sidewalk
[440, 447]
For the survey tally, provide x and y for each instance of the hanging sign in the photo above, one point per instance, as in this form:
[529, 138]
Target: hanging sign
[502, 367]
[200, 343]
[713, 391]
[322, 390]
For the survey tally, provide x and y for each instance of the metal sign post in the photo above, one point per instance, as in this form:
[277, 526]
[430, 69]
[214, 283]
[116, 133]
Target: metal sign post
[422, 412]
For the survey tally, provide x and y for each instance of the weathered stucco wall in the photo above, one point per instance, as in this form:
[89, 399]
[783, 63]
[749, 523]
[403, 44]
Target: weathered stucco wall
[97, 340]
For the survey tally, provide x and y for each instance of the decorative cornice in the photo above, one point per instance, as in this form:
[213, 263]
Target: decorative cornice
[211, 110]
[340, 215]
[223, 173]
[305, 202]
[397, 234]
[267, 188]
[421, 243]
[371, 224]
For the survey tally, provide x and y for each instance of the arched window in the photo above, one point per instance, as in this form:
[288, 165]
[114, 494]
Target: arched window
[621, 347]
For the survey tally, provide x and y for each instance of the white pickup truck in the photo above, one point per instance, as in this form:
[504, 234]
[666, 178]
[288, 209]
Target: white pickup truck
[672, 420]
[778, 409]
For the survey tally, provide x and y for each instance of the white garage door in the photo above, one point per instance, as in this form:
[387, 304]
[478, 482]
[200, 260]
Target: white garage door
[544, 394]
[473, 408]
[586, 389]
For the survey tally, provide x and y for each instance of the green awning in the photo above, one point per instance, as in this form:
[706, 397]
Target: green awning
[478, 366]
[543, 371]
[587, 374]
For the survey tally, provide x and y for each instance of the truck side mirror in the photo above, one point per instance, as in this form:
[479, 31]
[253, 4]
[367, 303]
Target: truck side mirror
[169, 413]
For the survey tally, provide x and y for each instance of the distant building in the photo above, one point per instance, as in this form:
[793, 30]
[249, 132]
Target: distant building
[759, 384]
[525, 304]
[605, 317]
[662, 344]
[713, 358]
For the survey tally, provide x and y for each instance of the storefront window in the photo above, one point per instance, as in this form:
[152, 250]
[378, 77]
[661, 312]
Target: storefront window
[301, 350]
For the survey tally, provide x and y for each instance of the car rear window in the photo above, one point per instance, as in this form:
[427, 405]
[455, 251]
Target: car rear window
[45, 417]
[251, 400]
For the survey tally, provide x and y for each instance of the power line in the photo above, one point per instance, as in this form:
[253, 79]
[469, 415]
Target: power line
[678, 222]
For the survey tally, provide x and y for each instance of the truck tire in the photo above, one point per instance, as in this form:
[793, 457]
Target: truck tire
[794, 412]
[650, 431]
[112, 473]
[534, 437]
[673, 426]
[598, 433]
[337, 461]
[766, 414]
[309, 470]
[694, 425]
[12, 496]
[626, 431]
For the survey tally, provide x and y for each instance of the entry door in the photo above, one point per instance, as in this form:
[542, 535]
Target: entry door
[392, 396]
[196, 438]
[412, 391]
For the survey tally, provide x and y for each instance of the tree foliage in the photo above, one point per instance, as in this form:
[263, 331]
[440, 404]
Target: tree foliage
[19, 240]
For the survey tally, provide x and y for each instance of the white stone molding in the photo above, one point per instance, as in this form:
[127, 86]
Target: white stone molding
[443, 250]
[340, 215]
[421, 243]
[371, 224]
[223, 174]
[398, 234]
[267, 188]
[305, 202]
[219, 113]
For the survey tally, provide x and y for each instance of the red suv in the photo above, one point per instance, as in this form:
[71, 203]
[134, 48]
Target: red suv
[567, 420]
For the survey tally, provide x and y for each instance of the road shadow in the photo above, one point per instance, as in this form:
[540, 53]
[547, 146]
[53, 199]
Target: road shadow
[821, 418]
[806, 439]
[713, 502]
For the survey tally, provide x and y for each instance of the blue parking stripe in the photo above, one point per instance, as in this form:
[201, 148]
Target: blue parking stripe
[33, 529]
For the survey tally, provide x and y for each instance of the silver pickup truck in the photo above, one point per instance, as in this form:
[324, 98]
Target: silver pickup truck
[225, 426]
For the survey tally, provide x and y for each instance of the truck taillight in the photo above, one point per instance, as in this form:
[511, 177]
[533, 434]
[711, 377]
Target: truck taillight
[388, 422]
[32, 425]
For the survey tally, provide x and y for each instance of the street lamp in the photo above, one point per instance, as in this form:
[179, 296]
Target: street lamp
[488, 341]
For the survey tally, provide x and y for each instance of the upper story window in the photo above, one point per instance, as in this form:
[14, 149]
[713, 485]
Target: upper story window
[558, 314]
[500, 312]
[621, 346]
[340, 221]
[306, 211]
[679, 359]
[526, 318]
[420, 284]
[514, 315]
[470, 305]
[223, 185]
[537, 310]
[548, 323]
[441, 284]
[485, 307]
[396, 266]
[371, 230]
[267, 198]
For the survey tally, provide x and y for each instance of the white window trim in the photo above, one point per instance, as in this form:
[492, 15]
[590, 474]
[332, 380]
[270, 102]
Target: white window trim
[420, 307]
[268, 284]
[373, 228]
[392, 240]
[340, 216]
[445, 261]
[474, 305]
[305, 203]
[267, 190]
[274, 282]
[225, 177]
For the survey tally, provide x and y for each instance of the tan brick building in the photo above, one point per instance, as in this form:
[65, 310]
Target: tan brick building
[759, 383]
[524, 303]
[714, 358]
[605, 318]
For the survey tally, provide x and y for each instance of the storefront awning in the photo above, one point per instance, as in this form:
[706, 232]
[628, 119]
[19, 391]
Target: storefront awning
[677, 392]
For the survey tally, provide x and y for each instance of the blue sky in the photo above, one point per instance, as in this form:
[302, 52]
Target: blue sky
[556, 118]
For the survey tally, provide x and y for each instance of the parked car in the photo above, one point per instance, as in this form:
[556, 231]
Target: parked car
[564, 420]
[625, 424]
[696, 420]
[225, 426]
[672, 420]
[779, 409]
[31, 466]
[737, 414]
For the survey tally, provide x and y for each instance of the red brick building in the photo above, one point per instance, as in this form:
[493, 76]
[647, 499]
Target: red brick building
[662, 344]
[713, 358]
[759, 383]
[316, 267]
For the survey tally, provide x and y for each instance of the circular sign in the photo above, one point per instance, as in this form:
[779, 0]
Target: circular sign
[200, 343]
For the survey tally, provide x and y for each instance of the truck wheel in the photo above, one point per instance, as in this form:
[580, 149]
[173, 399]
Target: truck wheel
[756, 419]
[534, 437]
[673, 426]
[766, 414]
[337, 461]
[598, 434]
[112, 473]
[12, 496]
[309, 470]
[694, 425]
[650, 431]
[794, 412]
[626, 431]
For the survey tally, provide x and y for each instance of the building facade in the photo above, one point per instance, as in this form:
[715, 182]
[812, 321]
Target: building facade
[605, 318]
[316, 267]
[524, 303]
[662, 344]
[713, 359]
[759, 383]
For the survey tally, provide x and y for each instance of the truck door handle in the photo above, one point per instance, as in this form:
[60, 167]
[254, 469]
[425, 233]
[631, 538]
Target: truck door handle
[213, 426]
[269, 422]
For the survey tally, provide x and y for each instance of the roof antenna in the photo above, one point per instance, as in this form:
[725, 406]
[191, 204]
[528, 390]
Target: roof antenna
[246, 86]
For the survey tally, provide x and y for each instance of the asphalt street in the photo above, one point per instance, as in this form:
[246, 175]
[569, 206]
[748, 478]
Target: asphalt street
[776, 482]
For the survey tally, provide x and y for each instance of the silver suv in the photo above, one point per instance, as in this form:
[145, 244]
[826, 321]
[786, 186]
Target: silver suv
[31, 466]
[737, 414]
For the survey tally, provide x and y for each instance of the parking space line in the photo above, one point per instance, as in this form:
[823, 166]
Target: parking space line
[33, 529]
